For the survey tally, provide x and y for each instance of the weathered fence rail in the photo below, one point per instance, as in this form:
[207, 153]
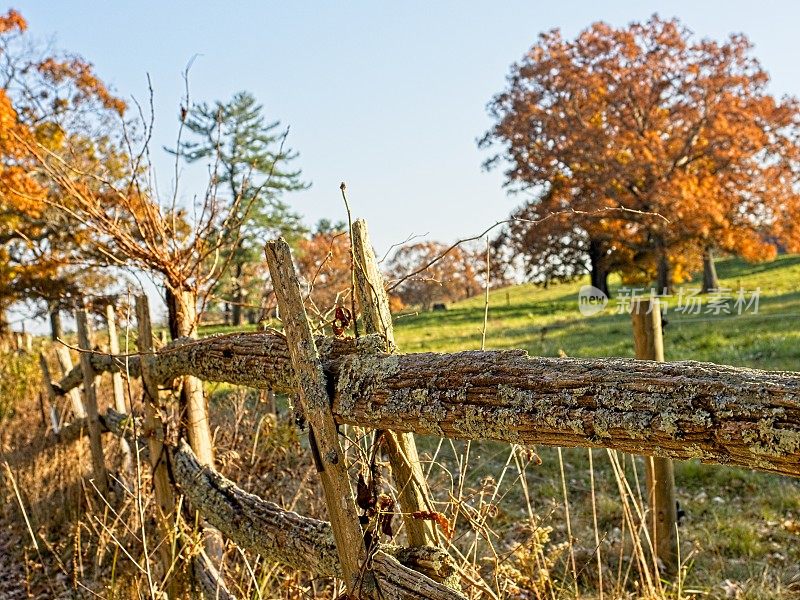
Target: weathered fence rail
[283, 536]
[682, 410]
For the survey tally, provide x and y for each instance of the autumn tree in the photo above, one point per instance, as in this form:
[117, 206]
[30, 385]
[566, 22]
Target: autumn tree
[649, 118]
[425, 273]
[49, 99]
[252, 168]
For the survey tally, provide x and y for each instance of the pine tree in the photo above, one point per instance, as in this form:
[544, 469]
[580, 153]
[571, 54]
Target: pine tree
[251, 173]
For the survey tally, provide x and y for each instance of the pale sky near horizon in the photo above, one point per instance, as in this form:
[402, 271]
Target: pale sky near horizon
[387, 97]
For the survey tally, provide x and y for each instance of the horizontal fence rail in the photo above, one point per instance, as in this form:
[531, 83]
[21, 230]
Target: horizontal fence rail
[683, 410]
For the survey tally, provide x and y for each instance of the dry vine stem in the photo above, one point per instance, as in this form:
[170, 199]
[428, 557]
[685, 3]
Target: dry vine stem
[683, 410]
[323, 434]
[413, 491]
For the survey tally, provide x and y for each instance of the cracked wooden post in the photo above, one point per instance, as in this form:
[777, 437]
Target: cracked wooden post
[155, 432]
[323, 433]
[52, 397]
[65, 364]
[413, 491]
[116, 379]
[90, 394]
[649, 344]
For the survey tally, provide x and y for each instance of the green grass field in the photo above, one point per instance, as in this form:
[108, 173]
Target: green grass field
[544, 321]
[735, 531]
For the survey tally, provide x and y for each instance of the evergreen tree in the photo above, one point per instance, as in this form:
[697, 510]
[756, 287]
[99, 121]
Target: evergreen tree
[251, 173]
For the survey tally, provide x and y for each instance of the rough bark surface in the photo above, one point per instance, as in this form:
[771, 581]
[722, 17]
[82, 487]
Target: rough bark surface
[290, 539]
[682, 410]
[679, 410]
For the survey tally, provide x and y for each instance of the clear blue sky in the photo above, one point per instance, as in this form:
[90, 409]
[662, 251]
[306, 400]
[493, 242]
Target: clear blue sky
[389, 97]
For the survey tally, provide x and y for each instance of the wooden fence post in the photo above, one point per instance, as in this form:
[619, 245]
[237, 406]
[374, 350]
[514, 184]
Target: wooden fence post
[116, 378]
[155, 432]
[413, 491]
[90, 393]
[649, 345]
[323, 432]
[51, 393]
[65, 363]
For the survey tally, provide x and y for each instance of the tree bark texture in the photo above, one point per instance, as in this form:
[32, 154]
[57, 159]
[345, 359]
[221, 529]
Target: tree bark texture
[401, 448]
[323, 433]
[683, 410]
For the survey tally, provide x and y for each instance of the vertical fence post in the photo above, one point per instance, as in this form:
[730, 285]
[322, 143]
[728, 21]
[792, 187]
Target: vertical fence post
[649, 345]
[52, 397]
[323, 433]
[154, 430]
[116, 378]
[90, 393]
[413, 491]
[65, 363]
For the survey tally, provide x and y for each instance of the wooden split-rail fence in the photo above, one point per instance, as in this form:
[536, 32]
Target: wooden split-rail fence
[679, 410]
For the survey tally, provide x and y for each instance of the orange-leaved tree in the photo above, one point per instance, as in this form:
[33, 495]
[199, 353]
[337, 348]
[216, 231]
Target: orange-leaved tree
[53, 101]
[425, 273]
[647, 117]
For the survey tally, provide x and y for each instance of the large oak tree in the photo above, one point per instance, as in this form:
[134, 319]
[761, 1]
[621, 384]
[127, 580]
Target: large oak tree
[646, 117]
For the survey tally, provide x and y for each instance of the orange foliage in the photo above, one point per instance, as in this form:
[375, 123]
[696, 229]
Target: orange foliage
[46, 105]
[648, 118]
[12, 21]
[323, 260]
[456, 275]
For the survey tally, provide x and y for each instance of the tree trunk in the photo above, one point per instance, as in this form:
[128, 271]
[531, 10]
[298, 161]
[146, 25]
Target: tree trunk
[194, 410]
[238, 298]
[172, 313]
[56, 327]
[664, 281]
[710, 280]
[599, 272]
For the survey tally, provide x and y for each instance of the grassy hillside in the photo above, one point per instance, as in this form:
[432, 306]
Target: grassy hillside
[544, 321]
[739, 533]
